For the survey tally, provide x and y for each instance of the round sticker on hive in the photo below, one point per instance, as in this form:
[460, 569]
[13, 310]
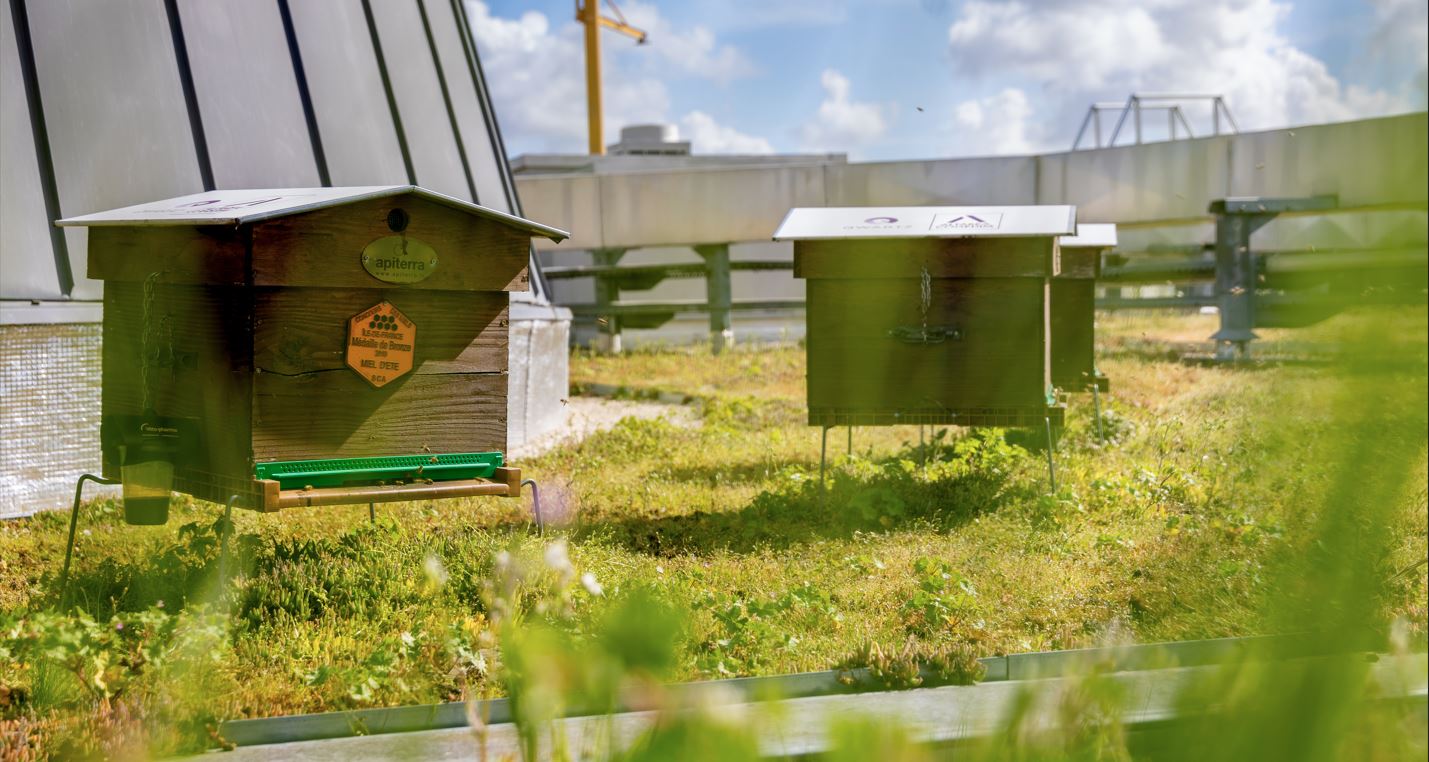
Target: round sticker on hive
[380, 343]
[399, 259]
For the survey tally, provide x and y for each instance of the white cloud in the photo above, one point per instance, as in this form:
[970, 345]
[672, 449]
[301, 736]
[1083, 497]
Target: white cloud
[997, 124]
[1079, 51]
[708, 136]
[1400, 43]
[694, 51]
[536, 74]
[842, 124]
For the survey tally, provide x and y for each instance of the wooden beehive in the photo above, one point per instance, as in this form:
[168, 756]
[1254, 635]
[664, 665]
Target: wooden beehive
[294, 326]
[933, 315]
[1074, 308]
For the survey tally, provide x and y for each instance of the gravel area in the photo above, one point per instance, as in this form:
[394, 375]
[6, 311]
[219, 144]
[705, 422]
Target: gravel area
[587, 415]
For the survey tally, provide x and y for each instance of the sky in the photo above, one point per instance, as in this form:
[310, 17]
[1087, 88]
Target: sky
[910, 79]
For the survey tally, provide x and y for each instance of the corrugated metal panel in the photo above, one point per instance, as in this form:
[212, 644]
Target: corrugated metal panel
[487, 165]
[1158, 181]
[27, 269]
[1001, 180]
[570, 203]
[1376, 161]
[248, 95]
[352, 114]
[660, 209]
[411, 66]
[118, 125]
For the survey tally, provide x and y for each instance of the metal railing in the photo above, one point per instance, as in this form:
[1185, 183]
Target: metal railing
[1138, 103]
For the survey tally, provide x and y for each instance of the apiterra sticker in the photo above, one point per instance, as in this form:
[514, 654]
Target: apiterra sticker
[381, 342]
[399, 259]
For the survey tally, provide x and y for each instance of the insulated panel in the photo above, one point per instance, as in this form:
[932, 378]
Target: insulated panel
[351, 107]
[118, 126]
[411, 67]
[248, 95]
[481, 150]
[27, 263]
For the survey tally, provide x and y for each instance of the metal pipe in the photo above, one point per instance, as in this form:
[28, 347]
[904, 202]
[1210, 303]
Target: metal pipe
[536, 504]
[73, 523]
[590, 17]
[1136, 104]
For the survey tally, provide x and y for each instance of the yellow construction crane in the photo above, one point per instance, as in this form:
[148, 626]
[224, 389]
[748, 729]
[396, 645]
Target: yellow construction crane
[588, 13]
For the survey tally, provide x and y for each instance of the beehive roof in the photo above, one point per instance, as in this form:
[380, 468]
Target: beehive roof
[1091, 236]
[239, 207]
[804, 224]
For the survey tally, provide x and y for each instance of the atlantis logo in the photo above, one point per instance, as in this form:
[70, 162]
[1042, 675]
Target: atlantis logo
[980, 221]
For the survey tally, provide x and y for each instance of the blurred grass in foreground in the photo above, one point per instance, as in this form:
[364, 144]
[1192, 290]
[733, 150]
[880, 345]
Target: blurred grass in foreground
[1227, 503]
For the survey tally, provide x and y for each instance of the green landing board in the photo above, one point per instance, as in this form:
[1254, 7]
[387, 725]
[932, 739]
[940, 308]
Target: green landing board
[336, 472]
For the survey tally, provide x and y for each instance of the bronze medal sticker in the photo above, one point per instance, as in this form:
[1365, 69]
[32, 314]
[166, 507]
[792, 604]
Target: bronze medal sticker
[381, 344]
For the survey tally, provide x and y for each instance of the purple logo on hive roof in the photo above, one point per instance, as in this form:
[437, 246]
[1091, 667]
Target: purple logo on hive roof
[881, 220]
[979, 221]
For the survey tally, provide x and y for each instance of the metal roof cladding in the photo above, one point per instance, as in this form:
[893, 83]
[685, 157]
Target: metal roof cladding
[1091, 236]
[926, 222]
[240, 207]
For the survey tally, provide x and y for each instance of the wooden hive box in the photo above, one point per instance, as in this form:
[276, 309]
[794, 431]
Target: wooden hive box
[936, 315]
[1074, 366]
[284, 337]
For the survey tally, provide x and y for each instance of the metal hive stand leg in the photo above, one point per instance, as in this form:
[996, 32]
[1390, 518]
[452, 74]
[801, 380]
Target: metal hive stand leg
[535, 504]
[224, 531]
[1097, 407]
[823, 454]
[1051, 463]
[73, 524]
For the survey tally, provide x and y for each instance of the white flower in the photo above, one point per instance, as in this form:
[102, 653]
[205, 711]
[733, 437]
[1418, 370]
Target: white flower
[558, 559]
[591, 585]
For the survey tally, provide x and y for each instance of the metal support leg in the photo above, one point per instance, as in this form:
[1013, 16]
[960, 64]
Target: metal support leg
[922, 449]
[224, 531]
[1051, 463]
[535, 504]
[607, 292]
[850, 441]
[73, 523]
[823, 454]
[1097, 406]
[718, 294]
[372, 513]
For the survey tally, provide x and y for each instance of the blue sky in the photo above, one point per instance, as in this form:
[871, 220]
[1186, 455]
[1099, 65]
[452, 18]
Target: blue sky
[896, 79]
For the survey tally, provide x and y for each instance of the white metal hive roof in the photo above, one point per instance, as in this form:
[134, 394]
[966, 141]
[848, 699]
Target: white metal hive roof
[1091, 236]
[239, 207]
[814, 223]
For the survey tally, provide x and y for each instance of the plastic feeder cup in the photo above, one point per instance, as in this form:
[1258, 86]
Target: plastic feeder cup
[148, 477]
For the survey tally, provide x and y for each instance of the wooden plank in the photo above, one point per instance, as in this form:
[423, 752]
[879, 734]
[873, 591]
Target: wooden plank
[336, 414]
[202, 368]
[1073, 333]
[193, 255]
[511, 477]
[942, 257]
[303, 330]
[324, 248]
[388, 493]
[1081, 263]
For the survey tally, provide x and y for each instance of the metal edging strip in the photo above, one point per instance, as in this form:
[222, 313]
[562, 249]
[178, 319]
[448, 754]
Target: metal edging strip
[447, 99]
[1013, 667]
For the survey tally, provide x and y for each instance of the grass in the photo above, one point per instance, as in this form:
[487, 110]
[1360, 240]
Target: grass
[1172, 530]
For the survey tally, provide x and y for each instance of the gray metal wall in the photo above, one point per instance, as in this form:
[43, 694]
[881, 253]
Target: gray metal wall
[113, 103]
[1367, 163]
